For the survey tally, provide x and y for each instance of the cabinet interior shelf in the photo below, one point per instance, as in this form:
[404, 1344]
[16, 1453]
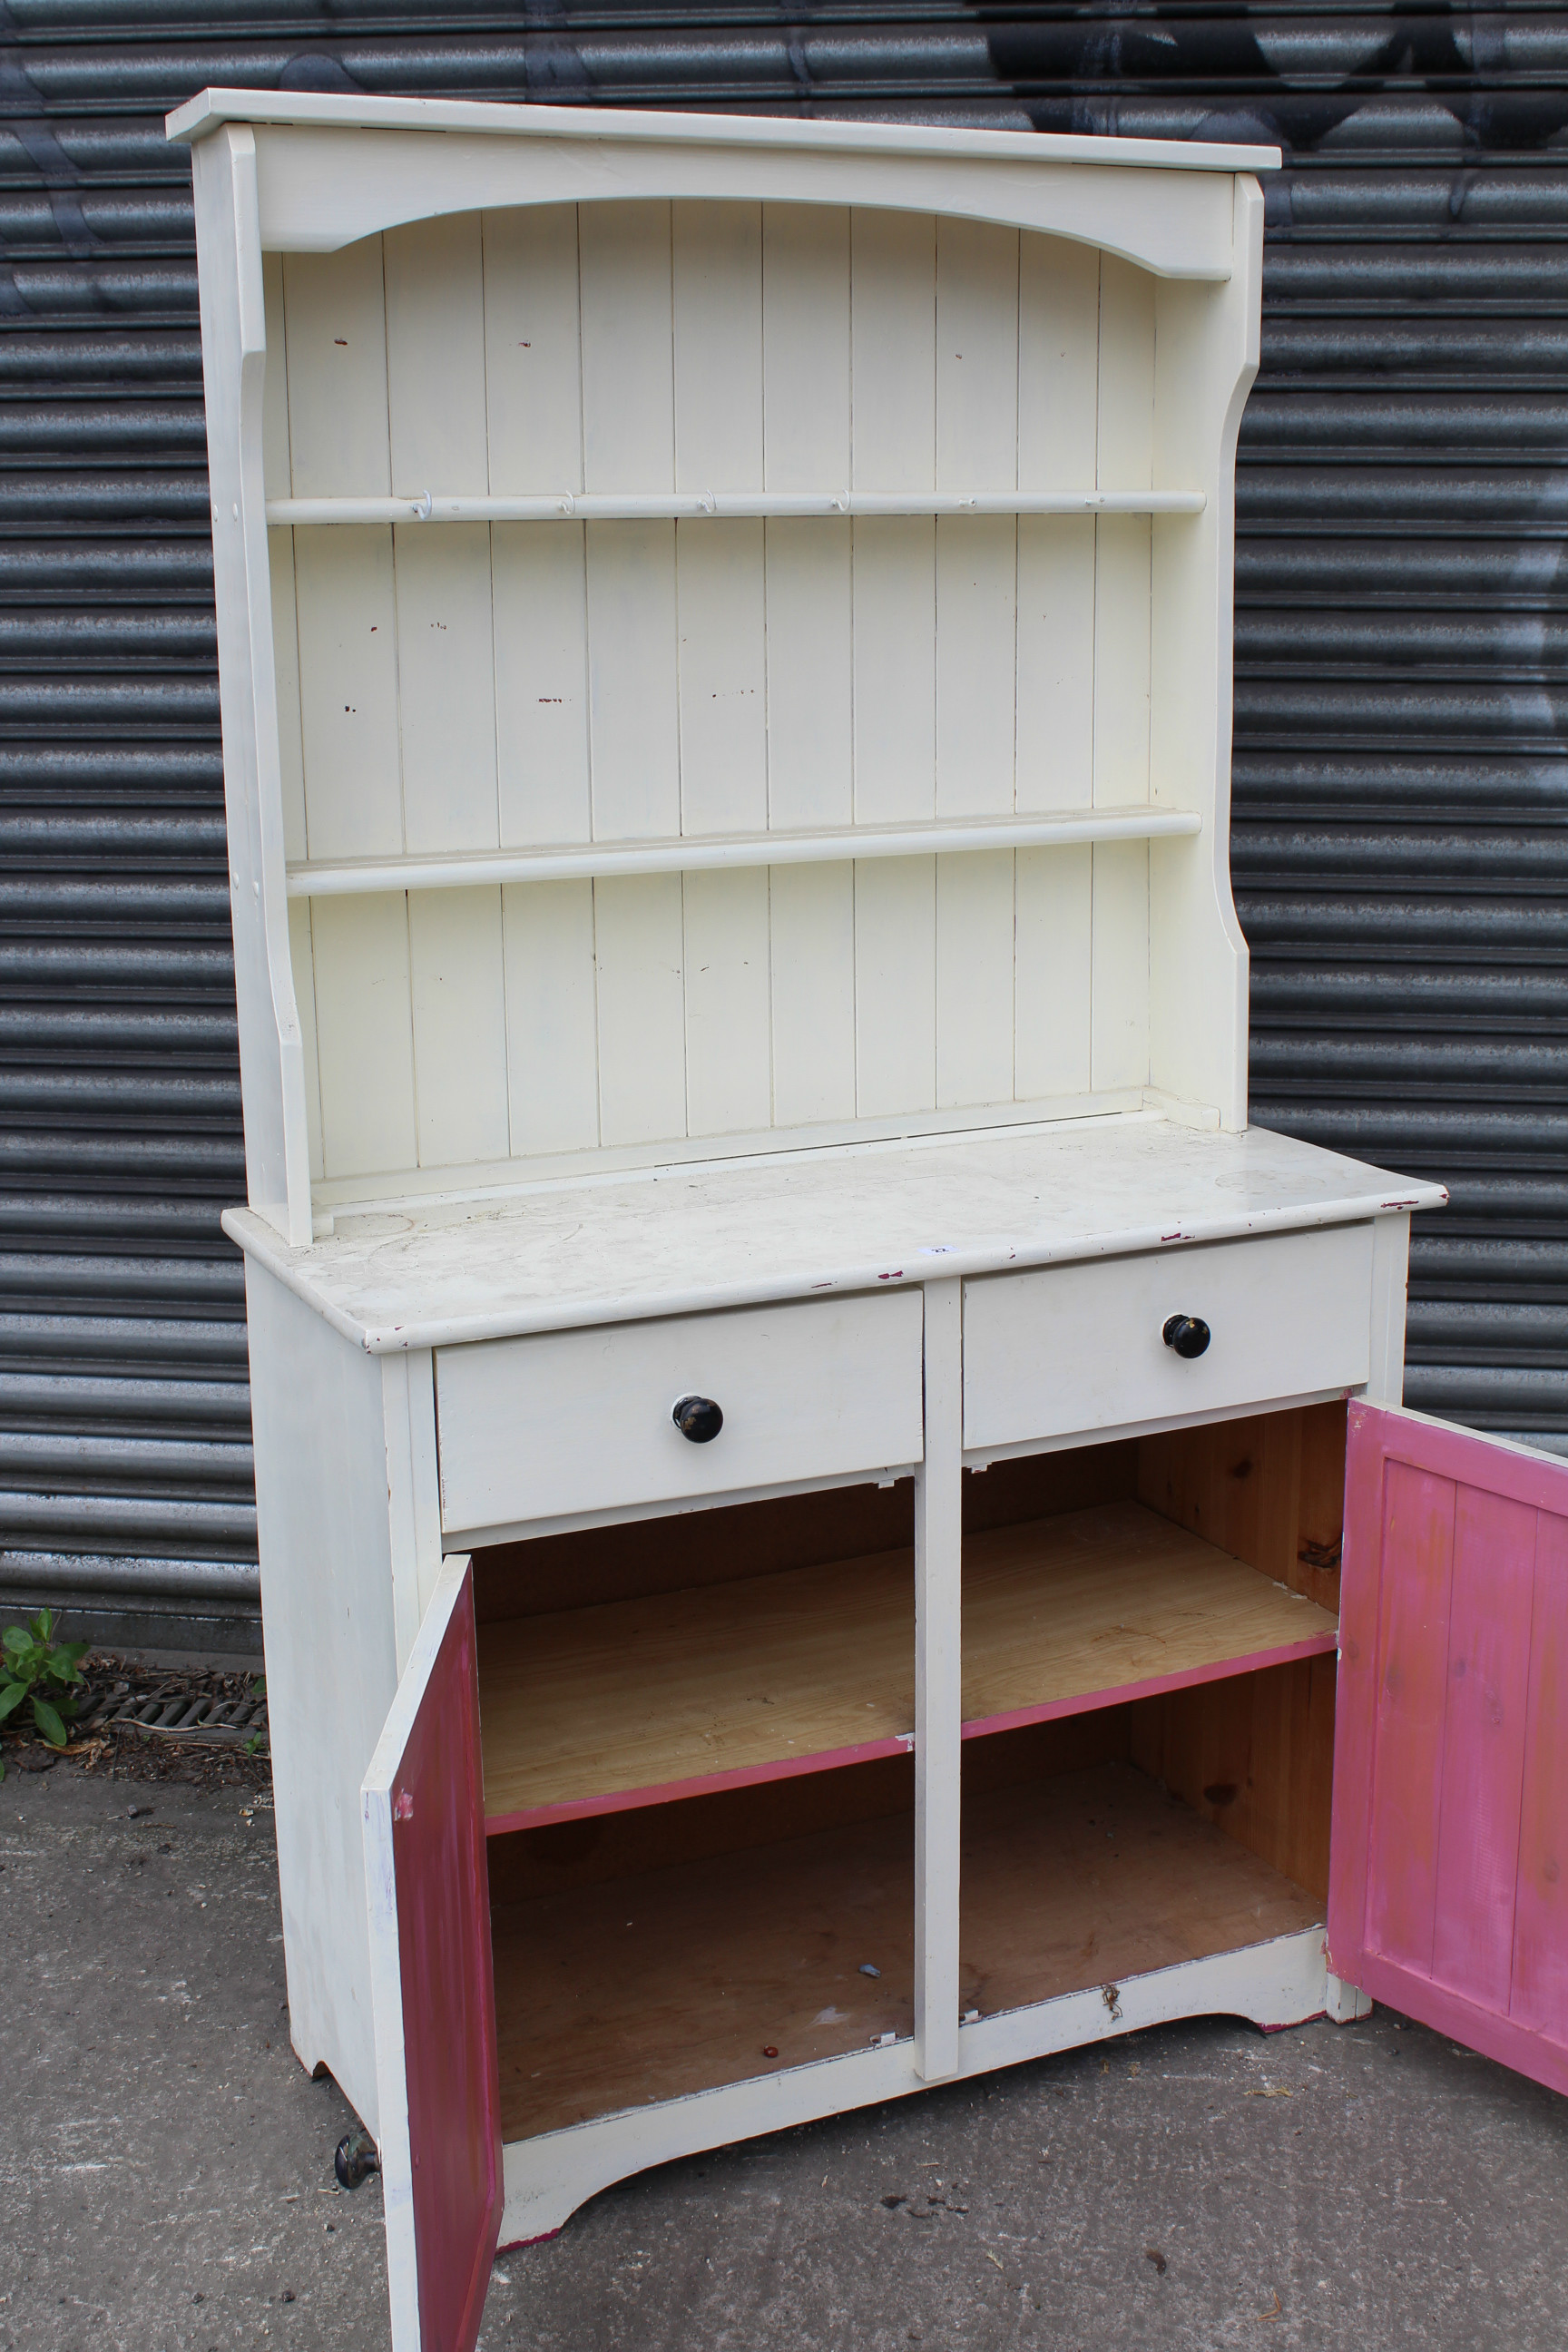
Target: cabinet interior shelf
[667, 1976]
[632, 1703]
[691, 506]
[479, 868]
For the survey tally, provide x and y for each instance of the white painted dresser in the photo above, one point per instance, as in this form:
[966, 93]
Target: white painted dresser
[766, 1317]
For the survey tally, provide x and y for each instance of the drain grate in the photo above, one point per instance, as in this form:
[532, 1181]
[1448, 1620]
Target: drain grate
[180, 1715]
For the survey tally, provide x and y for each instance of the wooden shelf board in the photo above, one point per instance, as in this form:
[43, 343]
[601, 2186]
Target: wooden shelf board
[675, 1980]
[697, 506]
[1097, 1607]
[634, 1702]
[1099, 1875]
[700, 854]
[637, 1701]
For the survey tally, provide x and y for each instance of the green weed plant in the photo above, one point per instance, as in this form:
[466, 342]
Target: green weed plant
[34, 1665]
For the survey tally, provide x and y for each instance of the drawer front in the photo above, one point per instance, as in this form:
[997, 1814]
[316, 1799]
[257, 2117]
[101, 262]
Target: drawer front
[1078, 1347]
[570, 1421]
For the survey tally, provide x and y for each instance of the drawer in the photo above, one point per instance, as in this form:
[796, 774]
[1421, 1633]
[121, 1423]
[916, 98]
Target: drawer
[1078, 1347]
[571, 1422]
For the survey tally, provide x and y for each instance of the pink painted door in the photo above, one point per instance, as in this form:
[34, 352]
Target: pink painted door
[1448, 1879]
[432, 1986]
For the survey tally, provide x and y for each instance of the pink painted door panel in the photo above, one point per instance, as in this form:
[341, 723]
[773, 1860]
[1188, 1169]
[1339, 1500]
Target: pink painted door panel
[1446, 1896]
[433, 1986]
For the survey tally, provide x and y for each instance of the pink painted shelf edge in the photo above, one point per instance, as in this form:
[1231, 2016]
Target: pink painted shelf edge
[829, 1760]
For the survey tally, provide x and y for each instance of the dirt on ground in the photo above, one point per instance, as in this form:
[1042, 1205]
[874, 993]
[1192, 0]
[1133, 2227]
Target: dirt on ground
[119, 1751]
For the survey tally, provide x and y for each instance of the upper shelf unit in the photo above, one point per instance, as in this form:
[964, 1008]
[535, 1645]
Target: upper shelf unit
[806, 716]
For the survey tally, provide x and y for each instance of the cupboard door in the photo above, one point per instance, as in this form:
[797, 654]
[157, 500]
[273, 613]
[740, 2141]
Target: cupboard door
[431, 1985]
[1449, 1895]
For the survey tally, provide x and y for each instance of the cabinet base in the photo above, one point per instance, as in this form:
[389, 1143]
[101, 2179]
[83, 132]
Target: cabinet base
[1278, 1983]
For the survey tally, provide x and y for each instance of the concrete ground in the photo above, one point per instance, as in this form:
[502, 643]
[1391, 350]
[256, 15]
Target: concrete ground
[166, 2185]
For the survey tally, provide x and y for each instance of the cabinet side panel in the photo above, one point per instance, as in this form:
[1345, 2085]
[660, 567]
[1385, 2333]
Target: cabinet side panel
[330, 1655]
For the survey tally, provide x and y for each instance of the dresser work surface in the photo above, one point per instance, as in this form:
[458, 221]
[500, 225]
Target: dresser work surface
[678, 1239]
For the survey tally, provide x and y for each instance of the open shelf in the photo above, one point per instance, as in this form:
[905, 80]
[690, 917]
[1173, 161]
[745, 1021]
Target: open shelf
[630, 1703]
[683, 1945]
[1114, 1603]
[626, 1704]
[643, 1956]
[693, 506]
[696, 854]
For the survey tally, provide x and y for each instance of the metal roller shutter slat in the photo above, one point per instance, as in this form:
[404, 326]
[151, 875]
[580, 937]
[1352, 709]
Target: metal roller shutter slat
[1401, 771]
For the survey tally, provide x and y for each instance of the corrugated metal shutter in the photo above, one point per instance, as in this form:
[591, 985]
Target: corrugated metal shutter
[1399, 766]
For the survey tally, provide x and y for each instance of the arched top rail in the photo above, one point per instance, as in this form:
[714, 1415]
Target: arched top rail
[333, 170]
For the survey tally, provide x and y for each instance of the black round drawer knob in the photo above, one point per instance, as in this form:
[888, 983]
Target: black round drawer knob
[1188, 1334]
[700, 1419]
